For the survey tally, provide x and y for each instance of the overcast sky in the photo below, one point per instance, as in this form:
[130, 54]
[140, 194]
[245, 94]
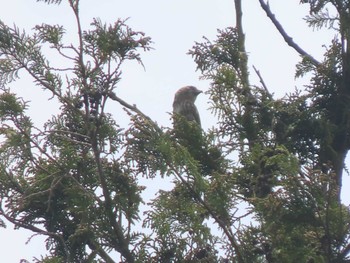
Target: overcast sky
[174, 26]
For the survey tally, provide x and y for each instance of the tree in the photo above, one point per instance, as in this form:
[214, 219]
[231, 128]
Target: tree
[291, 150]
[66, 181]
[75, 180]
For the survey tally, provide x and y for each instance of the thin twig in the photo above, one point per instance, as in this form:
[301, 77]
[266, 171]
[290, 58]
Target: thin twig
[134, 109]
[262, 82]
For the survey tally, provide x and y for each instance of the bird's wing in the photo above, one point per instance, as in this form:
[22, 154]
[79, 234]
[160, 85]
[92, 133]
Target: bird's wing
[190, 112]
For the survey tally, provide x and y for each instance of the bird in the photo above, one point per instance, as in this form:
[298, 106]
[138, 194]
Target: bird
[183, 104]
[189, 133]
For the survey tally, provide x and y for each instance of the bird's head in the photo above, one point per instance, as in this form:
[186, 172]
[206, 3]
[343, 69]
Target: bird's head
[187, 93]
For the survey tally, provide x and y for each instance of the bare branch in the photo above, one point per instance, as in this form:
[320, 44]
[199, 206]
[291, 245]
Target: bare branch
[241, 42]
[133, 108]
[262, 82]
[284, 34]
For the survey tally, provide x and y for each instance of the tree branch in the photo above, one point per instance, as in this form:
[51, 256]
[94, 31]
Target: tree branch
[121, 243]
[226, 229]
[262, 82]
[284, 34]
[134, 109]
[243, 67]
[95, 247]
[19, 223]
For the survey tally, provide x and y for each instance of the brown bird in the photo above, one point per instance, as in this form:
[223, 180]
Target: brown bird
[184, 103]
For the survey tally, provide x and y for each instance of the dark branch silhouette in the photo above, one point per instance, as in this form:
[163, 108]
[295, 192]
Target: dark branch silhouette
[263, 82]
[284, 34]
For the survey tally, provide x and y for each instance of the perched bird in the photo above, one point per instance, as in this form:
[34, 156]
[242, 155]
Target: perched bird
[184, 103]
[188, 131]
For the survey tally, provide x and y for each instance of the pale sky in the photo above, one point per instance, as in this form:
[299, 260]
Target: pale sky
[174, 26]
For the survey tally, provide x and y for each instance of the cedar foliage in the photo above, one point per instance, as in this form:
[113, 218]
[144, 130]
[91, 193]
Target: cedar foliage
[278, 161]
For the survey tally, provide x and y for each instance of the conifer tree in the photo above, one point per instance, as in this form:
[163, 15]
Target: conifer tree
[276, 161]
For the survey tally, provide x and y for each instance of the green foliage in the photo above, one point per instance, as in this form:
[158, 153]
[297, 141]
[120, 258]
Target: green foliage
[321, 19]
[326, 81]
[177, 212]
[277, 162]
[51, 34]
[69, 181]
[277, 139]
[117, 42]
[301, 216]
[10, 106]
[21, 51]
[264, 169]
[225, 50]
